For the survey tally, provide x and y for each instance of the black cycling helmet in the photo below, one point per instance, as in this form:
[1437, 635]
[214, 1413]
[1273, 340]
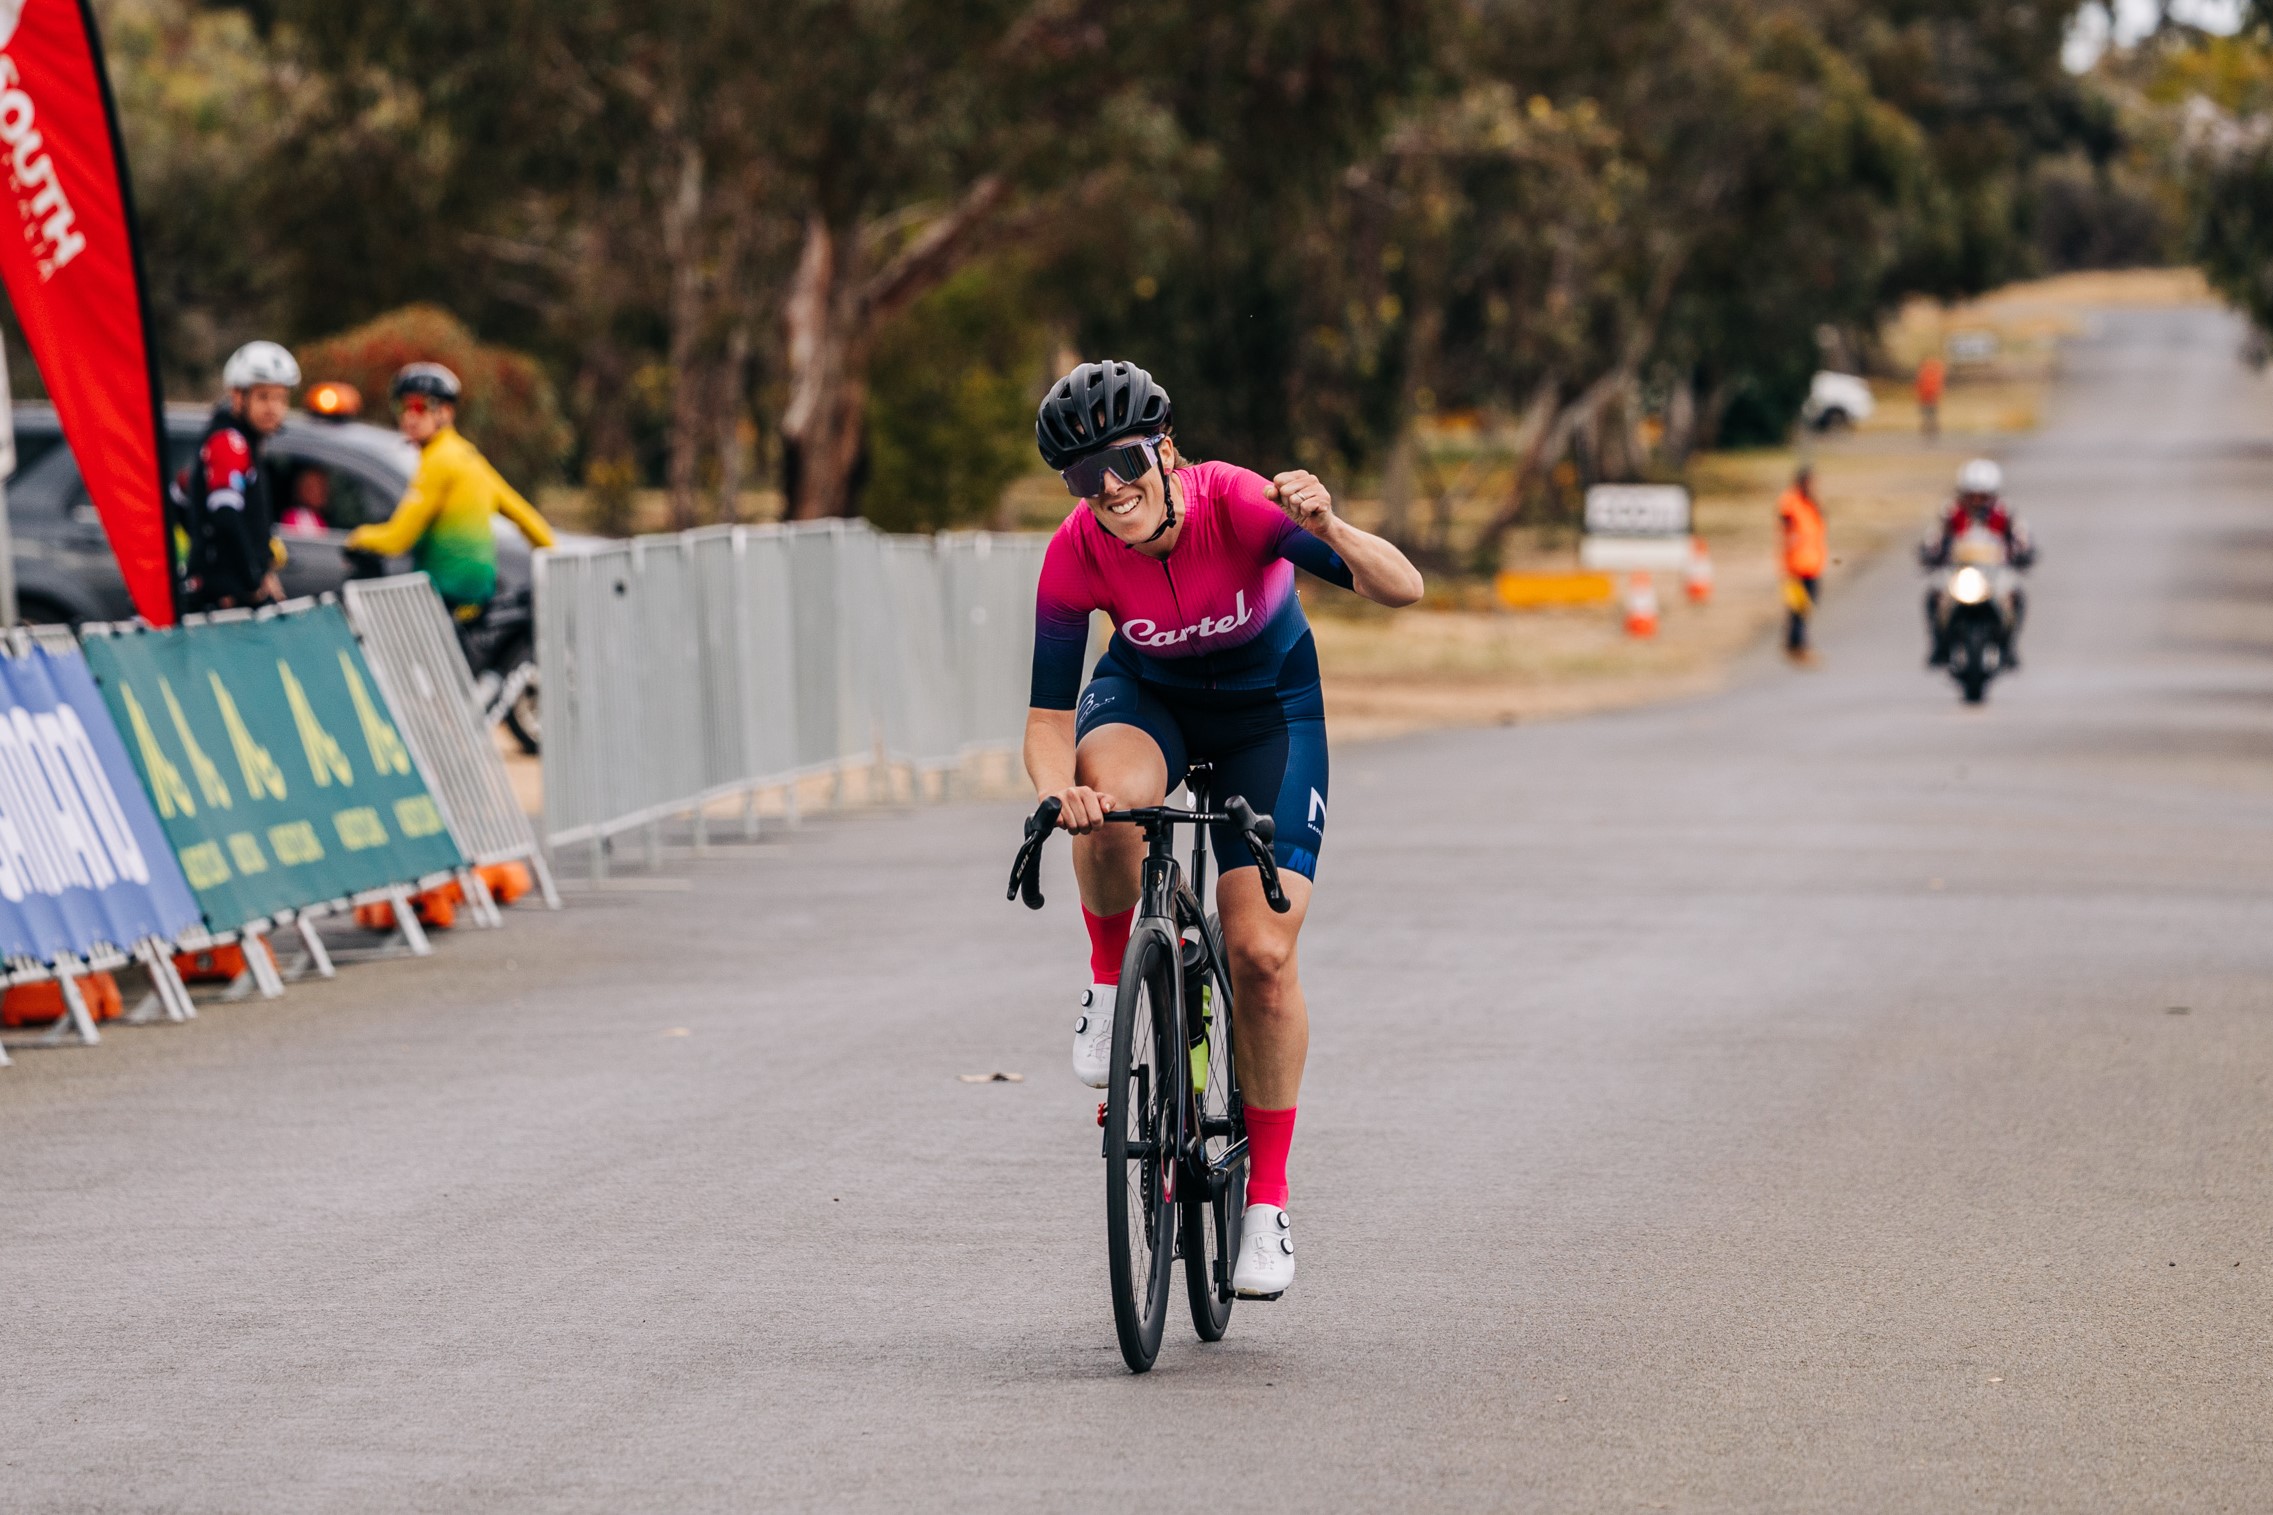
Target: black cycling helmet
[429, 379]
[1096, 405]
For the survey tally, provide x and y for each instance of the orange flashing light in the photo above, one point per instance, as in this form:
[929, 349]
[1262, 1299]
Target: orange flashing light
[335, 401]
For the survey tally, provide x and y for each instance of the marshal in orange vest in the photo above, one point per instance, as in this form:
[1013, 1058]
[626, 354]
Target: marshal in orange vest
[1807, 547]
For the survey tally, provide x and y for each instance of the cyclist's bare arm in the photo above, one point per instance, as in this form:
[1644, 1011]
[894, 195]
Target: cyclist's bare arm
[1377, 569]
[1049, 763]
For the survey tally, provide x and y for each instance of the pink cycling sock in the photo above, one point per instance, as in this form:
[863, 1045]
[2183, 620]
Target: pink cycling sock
[1108, 943]
[1269, 1134]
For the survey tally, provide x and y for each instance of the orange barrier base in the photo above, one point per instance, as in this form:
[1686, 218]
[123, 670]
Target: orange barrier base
[40, 1004]
[436, 908]
[508, 881]
[216, 965]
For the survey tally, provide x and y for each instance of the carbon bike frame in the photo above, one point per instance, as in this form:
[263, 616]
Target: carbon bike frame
[1168, 905]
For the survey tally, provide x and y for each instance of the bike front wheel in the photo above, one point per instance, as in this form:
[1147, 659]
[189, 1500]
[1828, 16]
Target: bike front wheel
[1144, 1107]
[1211, 1216]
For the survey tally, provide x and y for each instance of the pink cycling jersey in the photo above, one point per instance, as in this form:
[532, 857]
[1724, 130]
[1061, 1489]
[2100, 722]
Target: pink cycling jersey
[1219, 612]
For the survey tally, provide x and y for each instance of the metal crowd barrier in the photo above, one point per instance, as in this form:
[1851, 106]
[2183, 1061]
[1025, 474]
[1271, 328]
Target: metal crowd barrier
[684, 669]
[413, 649]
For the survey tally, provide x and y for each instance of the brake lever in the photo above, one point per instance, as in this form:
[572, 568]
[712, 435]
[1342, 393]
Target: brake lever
[1269, 866]
[1258, 831]
[1026, 871]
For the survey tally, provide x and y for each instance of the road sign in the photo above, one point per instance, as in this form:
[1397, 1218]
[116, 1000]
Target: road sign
[1636, 528]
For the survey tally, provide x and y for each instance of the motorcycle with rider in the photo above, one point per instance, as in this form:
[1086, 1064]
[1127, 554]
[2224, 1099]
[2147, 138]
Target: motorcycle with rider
[1975, 599]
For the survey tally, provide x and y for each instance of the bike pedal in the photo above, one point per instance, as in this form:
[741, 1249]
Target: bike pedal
[1101, 1115]
[1261, 1299]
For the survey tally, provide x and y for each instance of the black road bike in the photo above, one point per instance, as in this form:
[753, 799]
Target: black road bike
[1175, 1130]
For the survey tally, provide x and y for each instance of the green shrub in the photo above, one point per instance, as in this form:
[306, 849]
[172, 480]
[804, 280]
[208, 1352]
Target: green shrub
[953, 387]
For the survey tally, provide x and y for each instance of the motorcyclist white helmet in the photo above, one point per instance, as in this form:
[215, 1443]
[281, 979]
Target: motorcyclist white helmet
[1981, 476]
[260, 363]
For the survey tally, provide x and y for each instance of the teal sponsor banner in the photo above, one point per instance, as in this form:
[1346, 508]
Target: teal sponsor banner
[274, 764]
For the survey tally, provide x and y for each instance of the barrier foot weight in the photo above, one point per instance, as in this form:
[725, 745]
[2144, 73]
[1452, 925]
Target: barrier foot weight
[75, 1020]
[406, 921]
[312, 942]
[159, 1004]
[478, 896]
[262, 966]
[170, 983]
[545, 885]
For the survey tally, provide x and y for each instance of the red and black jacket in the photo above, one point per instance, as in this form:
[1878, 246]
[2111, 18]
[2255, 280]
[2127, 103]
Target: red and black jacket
[225, 511]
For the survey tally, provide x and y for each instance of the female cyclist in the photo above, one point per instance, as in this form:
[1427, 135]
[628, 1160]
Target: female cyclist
[1212, 660]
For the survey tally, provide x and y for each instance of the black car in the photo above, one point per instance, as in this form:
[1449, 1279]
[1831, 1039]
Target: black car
[325, 477]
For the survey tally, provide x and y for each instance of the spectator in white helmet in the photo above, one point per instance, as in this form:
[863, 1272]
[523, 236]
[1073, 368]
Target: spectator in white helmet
[222, 497]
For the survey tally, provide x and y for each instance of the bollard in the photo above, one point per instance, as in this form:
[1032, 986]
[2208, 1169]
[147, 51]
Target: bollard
[1699, 581]
[1641, 606]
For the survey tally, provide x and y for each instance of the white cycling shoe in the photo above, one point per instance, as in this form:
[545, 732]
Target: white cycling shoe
[1266, 1254]
[1093, 1036]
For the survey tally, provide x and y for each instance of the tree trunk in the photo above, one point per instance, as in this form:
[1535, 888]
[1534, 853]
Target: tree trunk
[1710, 411]
[813, 356]
[682, 249]
[733, 405]
[1681, 422]
[610, 475]
[1424, 334]
[822, 426]
[1539, 423]
[835, 310]
[1397, 488]
[1586, 411]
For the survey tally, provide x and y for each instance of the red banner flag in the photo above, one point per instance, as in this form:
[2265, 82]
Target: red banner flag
[74, 275]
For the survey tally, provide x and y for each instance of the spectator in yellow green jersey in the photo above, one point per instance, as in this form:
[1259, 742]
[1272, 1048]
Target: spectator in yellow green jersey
[443, 521]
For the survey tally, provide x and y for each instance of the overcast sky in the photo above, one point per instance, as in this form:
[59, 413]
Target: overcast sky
[2089, 34]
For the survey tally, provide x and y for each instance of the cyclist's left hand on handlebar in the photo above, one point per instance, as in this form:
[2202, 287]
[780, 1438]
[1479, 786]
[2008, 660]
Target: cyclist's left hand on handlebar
[1304, 499]
[1082, 809]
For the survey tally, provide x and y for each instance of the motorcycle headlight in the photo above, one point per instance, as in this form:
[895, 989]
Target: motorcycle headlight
[1970, 586]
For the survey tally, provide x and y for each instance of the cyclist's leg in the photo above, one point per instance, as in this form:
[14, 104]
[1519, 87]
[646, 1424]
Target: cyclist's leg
[1127, 745]
[1275, 756]
[1266, 983]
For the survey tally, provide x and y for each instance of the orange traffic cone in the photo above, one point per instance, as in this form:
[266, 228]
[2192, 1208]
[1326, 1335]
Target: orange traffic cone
[1641, 606]
[1699, 582]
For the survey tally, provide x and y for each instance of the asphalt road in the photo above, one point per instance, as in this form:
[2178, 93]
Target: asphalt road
[1780, 1101]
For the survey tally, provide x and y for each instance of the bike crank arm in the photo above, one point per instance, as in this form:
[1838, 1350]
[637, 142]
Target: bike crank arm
[1218, 1173]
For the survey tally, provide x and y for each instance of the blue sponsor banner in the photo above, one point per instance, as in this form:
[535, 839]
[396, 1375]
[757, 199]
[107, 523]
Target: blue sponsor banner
[83, 863]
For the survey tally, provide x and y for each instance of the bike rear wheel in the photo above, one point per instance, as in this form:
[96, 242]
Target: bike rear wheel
[1211, 1221]
[1144, 1110]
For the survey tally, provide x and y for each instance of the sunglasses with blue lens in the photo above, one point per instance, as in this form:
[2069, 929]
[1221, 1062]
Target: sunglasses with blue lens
[1126, 463]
